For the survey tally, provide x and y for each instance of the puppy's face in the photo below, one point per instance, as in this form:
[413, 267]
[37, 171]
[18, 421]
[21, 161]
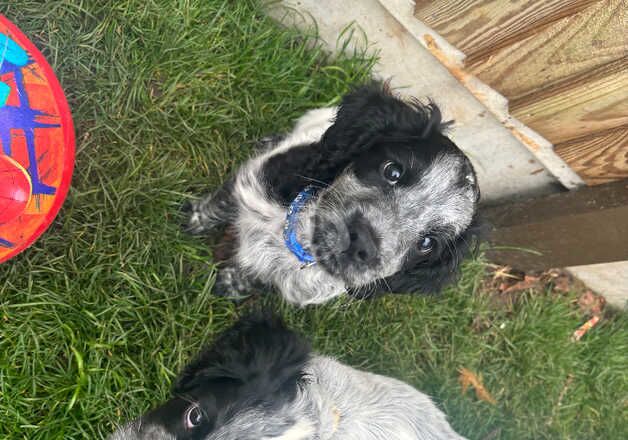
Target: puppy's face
[188, 419]
[403, 204]
[243, 388]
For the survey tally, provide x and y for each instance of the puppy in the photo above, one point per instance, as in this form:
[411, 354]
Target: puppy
[260, 382]
[363, 198]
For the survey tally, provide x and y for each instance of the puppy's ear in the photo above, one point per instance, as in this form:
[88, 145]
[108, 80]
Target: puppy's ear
[372, 112]
[259, 355]
[363, 114]
[360, 117]
[366, 115]
[433, 277]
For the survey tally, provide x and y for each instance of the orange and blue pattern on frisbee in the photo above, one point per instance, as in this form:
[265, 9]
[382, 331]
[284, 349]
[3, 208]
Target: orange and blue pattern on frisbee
[36, 142]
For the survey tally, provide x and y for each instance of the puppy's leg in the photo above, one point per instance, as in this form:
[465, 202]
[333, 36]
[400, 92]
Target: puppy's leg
[232, 283]
[211, 211]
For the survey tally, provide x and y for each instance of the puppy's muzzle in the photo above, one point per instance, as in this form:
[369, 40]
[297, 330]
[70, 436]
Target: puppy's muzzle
[363, 246]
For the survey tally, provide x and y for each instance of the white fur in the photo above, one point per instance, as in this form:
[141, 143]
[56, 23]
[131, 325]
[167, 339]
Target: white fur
[261, 253]
[302, 430]
[336, 402]
[373, 407]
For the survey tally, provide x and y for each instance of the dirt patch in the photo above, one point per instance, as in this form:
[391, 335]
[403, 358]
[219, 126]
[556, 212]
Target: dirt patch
[506, 287]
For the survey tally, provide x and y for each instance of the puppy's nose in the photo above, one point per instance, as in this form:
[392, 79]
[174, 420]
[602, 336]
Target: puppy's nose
[364, 243]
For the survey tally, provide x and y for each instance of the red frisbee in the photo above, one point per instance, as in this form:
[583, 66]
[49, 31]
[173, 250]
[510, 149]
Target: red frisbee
[36, 142]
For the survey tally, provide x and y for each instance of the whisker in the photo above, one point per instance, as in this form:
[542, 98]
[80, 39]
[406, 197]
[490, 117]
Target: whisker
[311, 179]
[387, 285]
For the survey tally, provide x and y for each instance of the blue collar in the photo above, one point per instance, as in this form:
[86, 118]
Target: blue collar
[289, 232]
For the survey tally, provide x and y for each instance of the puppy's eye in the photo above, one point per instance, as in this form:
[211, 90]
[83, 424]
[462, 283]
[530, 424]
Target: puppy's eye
[391, 171]
[426, 245]
[193, 417]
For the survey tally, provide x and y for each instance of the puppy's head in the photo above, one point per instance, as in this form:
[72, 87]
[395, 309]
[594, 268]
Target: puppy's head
[402, 209]
[242, 388]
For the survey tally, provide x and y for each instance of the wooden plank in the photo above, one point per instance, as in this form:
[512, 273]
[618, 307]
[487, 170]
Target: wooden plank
[595, 101]
[479, 27]
[571, 46]
[586, 226]
[598, 158]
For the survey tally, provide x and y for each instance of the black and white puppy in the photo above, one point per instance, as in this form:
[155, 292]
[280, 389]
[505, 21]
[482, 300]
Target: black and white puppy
[260, 382]
[363, 198]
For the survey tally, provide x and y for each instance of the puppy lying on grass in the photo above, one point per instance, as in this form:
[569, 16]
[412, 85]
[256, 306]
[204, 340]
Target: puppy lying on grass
[363, 198]
[259, 381]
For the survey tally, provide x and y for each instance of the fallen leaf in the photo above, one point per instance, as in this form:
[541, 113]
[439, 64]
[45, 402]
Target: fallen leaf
[468, 378]
[528, 282]
[503, 272]
[591, 304]
[584, 328]
[560, 280]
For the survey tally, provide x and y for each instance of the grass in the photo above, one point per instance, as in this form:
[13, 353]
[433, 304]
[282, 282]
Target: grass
[97, 316]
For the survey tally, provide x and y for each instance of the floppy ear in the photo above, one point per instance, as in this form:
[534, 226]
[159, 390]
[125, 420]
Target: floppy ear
[360, 115]
[367, 114]
[258, 355]
[372, 112]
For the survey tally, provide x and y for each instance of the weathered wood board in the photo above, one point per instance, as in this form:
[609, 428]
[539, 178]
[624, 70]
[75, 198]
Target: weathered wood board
[598, 158]
[578, 108]
[568, 48]
[585, 226]
[480, 27]
[562, 65]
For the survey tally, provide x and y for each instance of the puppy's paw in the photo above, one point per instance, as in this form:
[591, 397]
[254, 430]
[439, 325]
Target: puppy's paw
[230, 284]
[194, 222]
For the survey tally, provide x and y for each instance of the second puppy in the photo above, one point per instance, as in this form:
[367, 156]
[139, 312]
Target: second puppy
[367, 197]
[260, 381]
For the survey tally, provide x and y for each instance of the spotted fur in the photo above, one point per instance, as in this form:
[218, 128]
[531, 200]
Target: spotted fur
[362, 230]
[260, 382]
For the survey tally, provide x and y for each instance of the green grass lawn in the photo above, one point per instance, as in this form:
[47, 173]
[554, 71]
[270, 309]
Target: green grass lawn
[98, 316]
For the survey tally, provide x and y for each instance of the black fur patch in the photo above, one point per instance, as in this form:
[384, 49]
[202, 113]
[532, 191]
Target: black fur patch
[257, 363]
[369, 118]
